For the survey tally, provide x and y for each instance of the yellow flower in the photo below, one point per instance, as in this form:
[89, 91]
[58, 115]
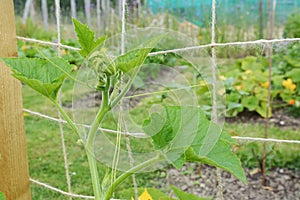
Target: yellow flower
[288, 84]
[64, 52]
[202, 83]
[238, 87]
[265, 84]
[223, 78]
[200, 37]
[144, 196]
[244, 77]
[23, 48]
[248, 72]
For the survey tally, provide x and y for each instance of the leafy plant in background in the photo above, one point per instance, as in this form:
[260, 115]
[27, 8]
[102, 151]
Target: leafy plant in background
[292, 26]
[246, 86]
[47, 74]
[286, 77]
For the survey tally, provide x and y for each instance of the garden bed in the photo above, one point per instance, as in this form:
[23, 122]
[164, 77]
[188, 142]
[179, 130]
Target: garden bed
[282, 184]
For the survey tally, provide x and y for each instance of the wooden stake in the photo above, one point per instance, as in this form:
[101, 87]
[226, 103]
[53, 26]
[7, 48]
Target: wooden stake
[14, 176]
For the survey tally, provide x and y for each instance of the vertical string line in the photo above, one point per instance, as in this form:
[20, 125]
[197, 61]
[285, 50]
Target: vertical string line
[214, 86]
[131, 160]
[271, 21]
[64, 149]
[123, 27]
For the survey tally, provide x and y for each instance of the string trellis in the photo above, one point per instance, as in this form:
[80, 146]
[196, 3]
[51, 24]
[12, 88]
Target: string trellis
[212, 45]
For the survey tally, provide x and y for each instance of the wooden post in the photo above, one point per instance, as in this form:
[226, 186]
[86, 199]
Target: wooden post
[14, 176]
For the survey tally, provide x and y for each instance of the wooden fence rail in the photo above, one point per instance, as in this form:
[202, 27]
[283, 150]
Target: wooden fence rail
[14, 173]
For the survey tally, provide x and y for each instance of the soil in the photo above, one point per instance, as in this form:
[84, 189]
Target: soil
[279, 118]
[282, 184]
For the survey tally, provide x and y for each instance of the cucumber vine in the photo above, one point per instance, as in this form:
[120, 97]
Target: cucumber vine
[47, 75]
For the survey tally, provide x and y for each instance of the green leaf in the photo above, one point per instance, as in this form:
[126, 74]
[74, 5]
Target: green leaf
[173, 131]
[294, 74]
[292, 61]
[250, 102]
[136, 57]
[2, 196]
[86, 38]
[184, 196]
[185, 134]
[262, 110]
[43, 76]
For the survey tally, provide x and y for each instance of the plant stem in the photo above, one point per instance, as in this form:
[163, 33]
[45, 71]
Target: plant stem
[94, 174]
[104, 108]
[128, 173]
[89, 153]
[66, 116]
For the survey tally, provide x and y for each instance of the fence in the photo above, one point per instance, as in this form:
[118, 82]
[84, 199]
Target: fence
[13, 146]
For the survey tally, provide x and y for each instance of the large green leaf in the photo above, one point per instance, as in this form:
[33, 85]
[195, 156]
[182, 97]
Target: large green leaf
[45, 77]
[173, 131]
[185, 134]
[86, 38]
[181, 195]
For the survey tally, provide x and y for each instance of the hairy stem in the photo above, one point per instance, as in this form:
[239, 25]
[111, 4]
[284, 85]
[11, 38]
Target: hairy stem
[104, 108]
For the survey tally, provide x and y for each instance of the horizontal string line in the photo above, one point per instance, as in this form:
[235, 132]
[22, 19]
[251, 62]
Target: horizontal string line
[138, 135]
[262, 41]
[60, 191]
[143, 135]
[47, 43]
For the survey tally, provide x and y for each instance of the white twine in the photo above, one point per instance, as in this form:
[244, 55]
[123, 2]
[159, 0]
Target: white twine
[123, 27]
[131, 160]
[60, 191]
[47, 43]
[64, 149]
[214, 87]
[254, 139]
[253, 42]
[138, 135]
[143, 135]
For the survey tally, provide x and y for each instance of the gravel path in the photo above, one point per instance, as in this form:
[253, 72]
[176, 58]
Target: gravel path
[283, 184]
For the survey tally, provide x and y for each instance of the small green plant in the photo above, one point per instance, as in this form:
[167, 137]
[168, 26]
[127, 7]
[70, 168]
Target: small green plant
[179, 134]
[2, 196]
